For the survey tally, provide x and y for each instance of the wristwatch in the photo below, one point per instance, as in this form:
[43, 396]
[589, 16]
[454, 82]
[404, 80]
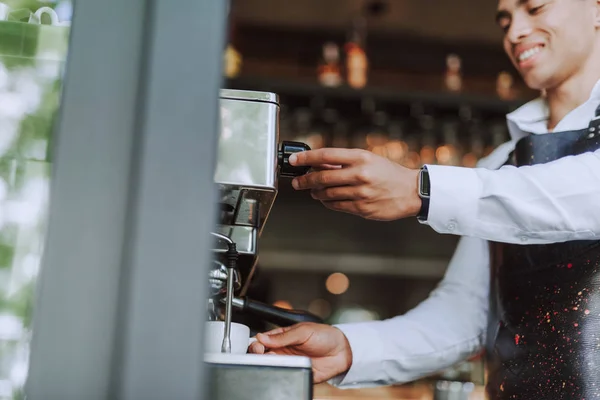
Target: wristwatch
[424, 194]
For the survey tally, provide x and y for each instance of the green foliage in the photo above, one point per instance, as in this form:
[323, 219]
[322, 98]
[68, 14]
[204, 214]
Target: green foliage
[28, 4]
[32, 57]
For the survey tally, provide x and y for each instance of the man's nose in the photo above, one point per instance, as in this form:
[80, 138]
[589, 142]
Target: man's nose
[520, 27]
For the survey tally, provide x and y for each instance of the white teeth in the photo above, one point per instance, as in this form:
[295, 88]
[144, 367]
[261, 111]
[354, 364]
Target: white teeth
[529, 53]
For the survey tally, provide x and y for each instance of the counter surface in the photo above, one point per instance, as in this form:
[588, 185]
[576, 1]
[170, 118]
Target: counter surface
[423, 391]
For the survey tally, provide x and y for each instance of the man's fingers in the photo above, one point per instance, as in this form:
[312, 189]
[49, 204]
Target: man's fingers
[340, 193]
[328, 178]
[290, 337]
[262, 338]
[256, 348]
[326, 167]
[277, 331]
[331, 156]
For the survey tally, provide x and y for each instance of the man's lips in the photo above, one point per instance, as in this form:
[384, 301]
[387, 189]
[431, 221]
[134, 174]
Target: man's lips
[524, 53]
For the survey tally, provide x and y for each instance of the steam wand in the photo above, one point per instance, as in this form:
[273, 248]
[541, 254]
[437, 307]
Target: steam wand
[232, 257]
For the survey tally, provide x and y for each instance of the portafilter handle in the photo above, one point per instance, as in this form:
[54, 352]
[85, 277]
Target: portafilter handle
[275, 315]
[286, 149]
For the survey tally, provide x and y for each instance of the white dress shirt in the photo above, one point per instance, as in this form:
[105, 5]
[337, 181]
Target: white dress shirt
[555, 202]
[550, 203]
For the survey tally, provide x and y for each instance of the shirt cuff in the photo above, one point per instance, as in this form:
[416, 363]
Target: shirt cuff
[453, 203]
[367, 356]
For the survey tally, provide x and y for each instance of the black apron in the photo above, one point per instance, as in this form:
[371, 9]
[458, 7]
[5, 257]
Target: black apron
[543, 339]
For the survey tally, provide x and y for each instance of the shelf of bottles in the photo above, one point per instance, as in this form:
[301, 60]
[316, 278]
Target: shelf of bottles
[341, 108]
[410, 134]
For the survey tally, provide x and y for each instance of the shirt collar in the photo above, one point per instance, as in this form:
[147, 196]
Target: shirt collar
[532, 117]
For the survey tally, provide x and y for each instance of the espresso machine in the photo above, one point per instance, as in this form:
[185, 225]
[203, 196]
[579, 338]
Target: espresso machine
[251, 163]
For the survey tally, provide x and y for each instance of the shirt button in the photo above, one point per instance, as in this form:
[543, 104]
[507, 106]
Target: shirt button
[451, 225]
[524, 238]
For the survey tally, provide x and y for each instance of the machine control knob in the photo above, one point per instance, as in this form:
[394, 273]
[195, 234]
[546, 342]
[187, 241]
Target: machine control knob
[283, 158]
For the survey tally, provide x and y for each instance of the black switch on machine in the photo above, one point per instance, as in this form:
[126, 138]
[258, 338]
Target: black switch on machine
[283, 158]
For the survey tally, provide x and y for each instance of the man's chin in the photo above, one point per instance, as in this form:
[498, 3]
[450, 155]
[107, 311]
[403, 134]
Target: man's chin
[535, 80]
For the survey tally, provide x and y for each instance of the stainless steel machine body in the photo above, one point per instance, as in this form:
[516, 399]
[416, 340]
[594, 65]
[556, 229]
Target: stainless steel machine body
[250, 163]
[251, 377]
[247, 167]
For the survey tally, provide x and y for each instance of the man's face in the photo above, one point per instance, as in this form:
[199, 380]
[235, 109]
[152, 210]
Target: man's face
[548, 41]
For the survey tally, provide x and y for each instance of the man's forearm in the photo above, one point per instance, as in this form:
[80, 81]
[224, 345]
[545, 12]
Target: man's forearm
[445, 329]
[548, 203]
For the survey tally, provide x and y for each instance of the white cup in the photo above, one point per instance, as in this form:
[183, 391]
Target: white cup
[215, 331]
[36, 18]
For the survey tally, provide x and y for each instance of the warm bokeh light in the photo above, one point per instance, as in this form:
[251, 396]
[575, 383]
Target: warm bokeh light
[337, 283]
[396, 150]
[412, 160]
[379, 150]
[315, 141]
[427, 155]
[283, 304]
[443, 154]
[469, 160]
[376, 139]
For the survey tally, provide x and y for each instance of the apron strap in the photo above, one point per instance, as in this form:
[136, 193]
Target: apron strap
[594, 126]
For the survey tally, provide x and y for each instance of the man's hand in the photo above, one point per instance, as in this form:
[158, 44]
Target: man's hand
[327, 347]
[359, 182]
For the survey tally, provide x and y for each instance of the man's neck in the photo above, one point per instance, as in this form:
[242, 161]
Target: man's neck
[572, 93]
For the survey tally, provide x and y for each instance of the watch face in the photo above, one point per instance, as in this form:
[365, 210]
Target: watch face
[424, 185]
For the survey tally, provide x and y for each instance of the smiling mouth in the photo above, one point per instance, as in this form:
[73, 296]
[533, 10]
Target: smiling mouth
[527, 54]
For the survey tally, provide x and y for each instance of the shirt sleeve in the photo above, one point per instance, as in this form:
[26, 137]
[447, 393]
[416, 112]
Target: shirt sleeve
[546, 203]
[446, 328]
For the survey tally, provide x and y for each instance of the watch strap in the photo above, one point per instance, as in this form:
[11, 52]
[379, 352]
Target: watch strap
[424, 194]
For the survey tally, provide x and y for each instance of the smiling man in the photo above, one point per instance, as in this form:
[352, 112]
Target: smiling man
[529, 214]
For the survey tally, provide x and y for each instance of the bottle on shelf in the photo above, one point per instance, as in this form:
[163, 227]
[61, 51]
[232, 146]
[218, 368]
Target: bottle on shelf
[329, 70]
[453, 79]
[357, 64]
[505, 86]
